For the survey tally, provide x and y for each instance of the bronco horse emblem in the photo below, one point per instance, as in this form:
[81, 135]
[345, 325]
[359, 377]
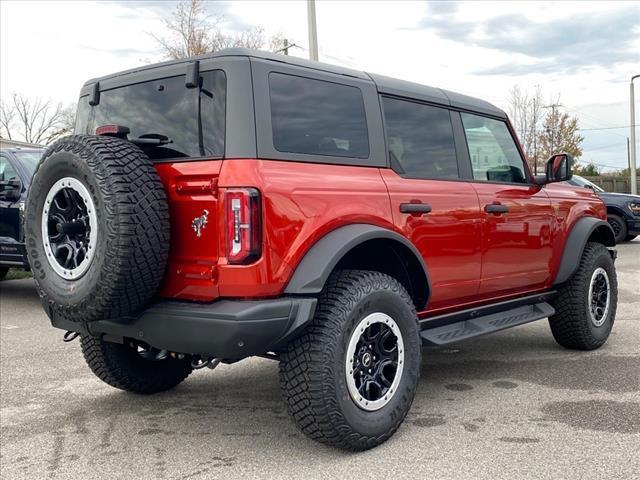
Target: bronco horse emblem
[199, 223]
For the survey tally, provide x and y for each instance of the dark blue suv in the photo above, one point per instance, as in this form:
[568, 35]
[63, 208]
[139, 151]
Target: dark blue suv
[16, 169]
[623, 209]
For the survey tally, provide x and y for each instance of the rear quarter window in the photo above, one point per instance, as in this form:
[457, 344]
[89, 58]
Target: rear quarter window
[317, 117]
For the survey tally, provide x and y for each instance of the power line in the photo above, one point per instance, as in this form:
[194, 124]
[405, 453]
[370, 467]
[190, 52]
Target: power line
[612, 167]
[603, 128]
[591, 120]
[602, 147]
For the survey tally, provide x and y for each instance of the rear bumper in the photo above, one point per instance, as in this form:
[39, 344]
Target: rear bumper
[229, 329]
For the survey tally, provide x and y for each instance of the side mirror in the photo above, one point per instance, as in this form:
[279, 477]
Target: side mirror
[11, 189]
[558, 169]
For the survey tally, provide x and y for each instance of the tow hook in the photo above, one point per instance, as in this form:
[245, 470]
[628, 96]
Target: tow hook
[70, 336]
[199, 362]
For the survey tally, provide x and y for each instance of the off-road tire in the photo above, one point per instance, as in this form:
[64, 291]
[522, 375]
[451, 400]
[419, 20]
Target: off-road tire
[630, 238]
[571, 325]
[120, 366]
[3, 272]
[133, 229]
[312, 368]
[621, 229]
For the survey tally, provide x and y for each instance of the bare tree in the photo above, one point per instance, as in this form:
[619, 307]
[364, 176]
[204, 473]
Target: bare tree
[7, 115]
[526, 113]
[191, 31]
[35, 120]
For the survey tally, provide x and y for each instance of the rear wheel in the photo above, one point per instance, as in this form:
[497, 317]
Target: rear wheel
[134, 367]
[350, 379]
[586, 304]
[619, 227]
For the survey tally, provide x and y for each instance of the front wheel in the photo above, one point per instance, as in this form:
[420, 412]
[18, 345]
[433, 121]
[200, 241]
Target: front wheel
[619, 227]
[350, 378]
[586, 304]
[3, 272]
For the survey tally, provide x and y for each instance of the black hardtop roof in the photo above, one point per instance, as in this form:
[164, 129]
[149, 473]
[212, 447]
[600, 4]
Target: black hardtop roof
[388, 85]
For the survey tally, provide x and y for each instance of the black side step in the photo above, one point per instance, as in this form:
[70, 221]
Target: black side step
[466, 329]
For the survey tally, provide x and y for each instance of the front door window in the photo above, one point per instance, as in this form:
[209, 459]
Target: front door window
[493, 152]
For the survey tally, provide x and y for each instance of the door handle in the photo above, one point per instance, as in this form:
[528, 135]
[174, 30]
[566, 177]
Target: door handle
[496, 208]
[415, 208]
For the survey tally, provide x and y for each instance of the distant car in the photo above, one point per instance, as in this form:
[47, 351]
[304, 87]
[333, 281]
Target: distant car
[623, 210]
[16, 169]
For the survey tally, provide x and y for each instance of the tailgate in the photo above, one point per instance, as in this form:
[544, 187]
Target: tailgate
[193, 208]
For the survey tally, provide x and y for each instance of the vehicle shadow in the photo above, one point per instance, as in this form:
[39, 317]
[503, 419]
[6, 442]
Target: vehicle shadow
[244, 400]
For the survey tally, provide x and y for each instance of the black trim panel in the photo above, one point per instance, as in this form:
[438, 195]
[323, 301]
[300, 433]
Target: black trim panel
[576, 242]
[462, 150]
[318, 263]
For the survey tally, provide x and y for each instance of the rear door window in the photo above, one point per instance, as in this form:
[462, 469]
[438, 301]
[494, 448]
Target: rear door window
[420, 140]
[191, 120]
[493, 151]
[317, 117]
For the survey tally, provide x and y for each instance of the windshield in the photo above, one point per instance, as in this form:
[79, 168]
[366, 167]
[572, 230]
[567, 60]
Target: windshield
[190, 122]
[583, 182]
[29, 160]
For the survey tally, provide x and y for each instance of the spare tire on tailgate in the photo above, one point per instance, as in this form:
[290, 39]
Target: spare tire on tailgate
[96, 228]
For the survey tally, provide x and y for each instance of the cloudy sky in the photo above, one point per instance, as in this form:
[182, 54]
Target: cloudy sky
[585, 52]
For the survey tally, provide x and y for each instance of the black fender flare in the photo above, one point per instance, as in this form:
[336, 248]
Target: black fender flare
[317, 264]
[577, 240]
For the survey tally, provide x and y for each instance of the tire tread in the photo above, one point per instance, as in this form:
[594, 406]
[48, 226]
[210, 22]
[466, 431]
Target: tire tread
[135, 224]
[570, 324]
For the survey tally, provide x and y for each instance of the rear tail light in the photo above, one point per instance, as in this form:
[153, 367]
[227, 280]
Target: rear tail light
[244, 225]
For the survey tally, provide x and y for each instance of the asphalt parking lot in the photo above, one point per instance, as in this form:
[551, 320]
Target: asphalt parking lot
[511, 405]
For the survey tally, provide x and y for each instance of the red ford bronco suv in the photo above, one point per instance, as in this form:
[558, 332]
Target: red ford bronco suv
[243, 203]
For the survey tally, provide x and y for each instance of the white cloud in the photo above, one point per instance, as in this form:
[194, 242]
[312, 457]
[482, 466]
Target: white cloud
[49, 49]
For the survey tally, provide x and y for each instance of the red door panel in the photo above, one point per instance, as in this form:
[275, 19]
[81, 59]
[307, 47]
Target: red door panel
[517, 246]
[449, 237]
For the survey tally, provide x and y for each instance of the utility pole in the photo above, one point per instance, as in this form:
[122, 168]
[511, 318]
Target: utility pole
[551, 131]
[286, 46]
[535, 151]
[313, 30]
[632, 151]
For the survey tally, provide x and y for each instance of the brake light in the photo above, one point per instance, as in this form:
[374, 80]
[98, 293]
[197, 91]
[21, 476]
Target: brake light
[244, 225]
[113, 131]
